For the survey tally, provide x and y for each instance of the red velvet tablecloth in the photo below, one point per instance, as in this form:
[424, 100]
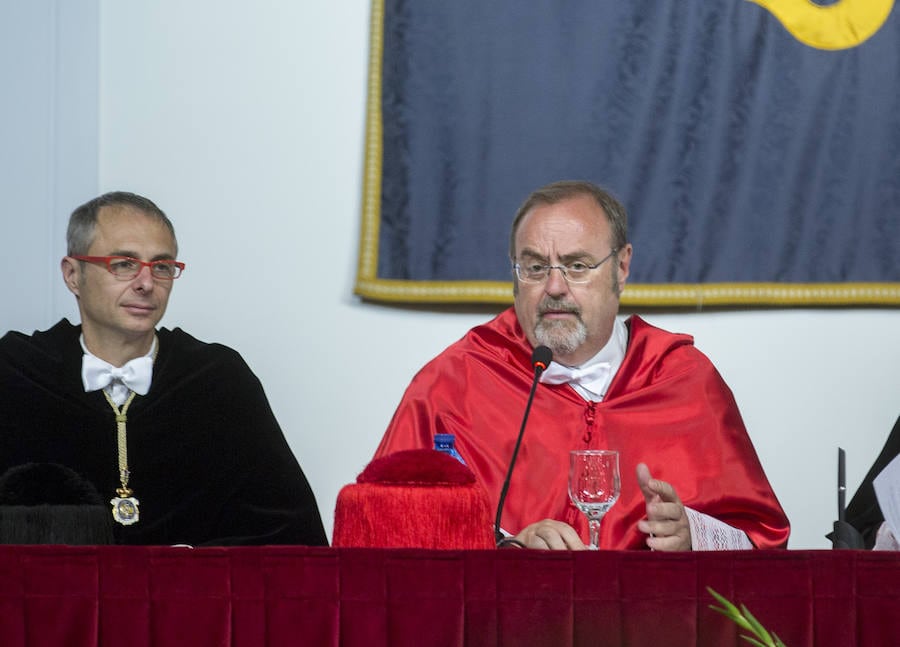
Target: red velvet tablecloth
[150, 596]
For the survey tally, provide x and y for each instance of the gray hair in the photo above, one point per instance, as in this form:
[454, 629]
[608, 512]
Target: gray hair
[83, 221]
[565, 189]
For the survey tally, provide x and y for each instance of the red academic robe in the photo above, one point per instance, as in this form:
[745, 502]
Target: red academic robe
[667, 406]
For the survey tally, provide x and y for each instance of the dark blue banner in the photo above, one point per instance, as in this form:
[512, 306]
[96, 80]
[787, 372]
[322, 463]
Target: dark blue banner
[758, 155]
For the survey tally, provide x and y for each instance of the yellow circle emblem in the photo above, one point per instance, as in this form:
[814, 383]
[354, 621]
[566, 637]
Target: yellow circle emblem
[841, 25]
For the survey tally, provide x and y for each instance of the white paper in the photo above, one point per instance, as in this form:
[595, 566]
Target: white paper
[887, 490]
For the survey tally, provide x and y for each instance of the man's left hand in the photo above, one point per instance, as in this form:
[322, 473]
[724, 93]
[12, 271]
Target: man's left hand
[666, 523]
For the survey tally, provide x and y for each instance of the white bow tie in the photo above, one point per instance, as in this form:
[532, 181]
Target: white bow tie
[136, 374]
[593, 378]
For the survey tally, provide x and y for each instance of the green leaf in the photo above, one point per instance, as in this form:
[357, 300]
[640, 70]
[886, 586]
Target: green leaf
[737, 619]
[758, 629]
[729, 611]
[723, 601]
[754, 641]
[746, 620]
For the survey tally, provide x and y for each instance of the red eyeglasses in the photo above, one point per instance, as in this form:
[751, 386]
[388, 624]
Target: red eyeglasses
[126, 268]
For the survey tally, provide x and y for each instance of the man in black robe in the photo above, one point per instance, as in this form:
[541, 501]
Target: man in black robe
[176, 433]
[863, 512]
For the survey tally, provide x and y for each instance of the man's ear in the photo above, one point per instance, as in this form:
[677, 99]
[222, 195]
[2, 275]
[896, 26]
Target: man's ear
[71, 272]
[624, 259]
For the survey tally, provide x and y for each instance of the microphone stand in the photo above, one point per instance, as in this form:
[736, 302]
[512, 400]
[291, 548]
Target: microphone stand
[540, 359]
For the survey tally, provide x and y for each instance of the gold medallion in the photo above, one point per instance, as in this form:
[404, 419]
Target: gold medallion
[125, 510]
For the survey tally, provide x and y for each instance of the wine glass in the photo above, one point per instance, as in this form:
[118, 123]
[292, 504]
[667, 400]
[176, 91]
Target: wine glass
[594, 485]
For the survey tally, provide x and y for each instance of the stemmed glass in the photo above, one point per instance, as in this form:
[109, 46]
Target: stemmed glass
[594, 485]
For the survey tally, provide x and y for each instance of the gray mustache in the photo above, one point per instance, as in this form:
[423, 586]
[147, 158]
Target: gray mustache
[558, 306]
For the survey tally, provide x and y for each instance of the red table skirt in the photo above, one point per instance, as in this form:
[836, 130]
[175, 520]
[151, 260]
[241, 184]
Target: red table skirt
[149, 596]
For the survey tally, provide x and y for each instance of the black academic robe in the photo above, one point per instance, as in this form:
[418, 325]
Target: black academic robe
[863, 512]
[208, 461]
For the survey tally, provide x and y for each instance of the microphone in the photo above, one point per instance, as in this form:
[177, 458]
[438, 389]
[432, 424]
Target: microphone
[842, 484]
[540, 359]
[843, 534]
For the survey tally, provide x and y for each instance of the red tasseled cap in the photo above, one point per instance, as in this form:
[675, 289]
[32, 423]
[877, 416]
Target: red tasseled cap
[417, 498]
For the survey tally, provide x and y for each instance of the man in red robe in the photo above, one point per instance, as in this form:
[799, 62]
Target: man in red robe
[691, 478]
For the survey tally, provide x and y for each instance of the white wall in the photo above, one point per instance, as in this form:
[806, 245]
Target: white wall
[48, 147]
[244, 121]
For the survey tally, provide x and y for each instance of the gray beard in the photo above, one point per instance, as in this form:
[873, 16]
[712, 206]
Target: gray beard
[560, 336]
